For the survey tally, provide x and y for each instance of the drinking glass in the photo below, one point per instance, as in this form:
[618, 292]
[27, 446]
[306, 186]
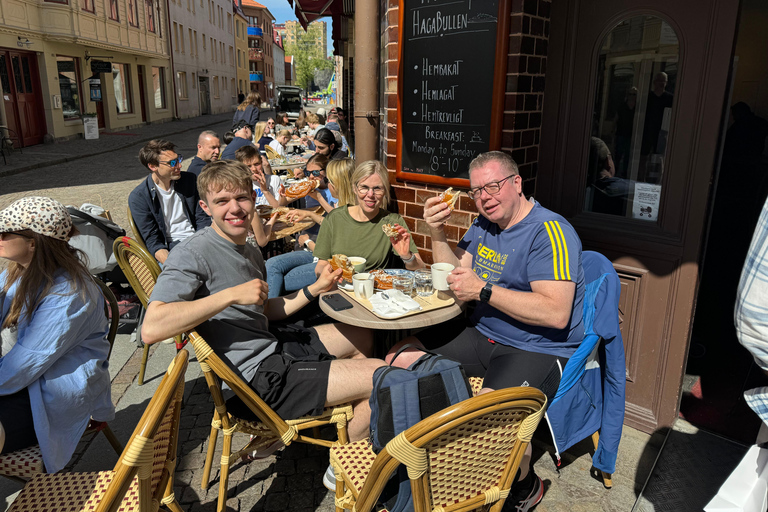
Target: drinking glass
[423, 282]
[404, 284]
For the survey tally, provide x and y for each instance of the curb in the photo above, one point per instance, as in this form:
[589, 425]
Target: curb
[72, 158]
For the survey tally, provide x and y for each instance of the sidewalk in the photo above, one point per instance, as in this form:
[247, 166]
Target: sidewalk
[44, 155]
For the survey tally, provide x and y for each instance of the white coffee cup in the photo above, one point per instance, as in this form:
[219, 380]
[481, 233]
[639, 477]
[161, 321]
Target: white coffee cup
[440, 273]
[357, 262]
[363, 285]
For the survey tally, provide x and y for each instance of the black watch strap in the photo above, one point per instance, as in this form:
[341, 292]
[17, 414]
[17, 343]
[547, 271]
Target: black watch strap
[485, 293]
[308, 294]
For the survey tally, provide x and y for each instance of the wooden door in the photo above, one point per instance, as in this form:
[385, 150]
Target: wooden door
[26, 96]
[650, 219]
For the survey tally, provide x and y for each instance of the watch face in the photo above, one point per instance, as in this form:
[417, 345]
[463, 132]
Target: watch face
[485, 293]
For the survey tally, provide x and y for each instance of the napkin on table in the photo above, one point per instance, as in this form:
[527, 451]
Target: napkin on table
[395, 303]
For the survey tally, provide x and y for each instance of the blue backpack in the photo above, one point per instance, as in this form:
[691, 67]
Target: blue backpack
[402, 397]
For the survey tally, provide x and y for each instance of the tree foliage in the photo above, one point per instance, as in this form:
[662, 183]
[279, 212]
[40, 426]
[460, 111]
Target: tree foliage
[307, 53]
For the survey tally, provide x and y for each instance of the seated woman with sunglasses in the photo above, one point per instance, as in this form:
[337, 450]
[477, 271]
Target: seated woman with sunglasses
[356, 230]
[54, 373]
[295, 270]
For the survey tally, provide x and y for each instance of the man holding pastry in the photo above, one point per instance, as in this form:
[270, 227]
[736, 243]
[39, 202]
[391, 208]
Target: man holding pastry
[521, 263]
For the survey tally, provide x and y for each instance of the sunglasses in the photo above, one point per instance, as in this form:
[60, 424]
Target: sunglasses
[4, 236]
[176, 161]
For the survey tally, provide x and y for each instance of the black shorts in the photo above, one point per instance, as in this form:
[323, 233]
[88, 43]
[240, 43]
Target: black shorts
[501, 366]
[294, 380]
[17, 421]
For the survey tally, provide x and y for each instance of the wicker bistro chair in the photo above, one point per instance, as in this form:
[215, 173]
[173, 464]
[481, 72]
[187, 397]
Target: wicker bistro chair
[135, 229]
[141, 481]
[271, 153]
[141, 270]
[23, 464]
[266, 431]
[464, 457]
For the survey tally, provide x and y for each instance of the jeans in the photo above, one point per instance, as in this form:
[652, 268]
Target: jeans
[290, 272]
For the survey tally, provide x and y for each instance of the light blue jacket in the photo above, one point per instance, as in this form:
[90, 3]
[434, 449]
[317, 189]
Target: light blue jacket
[60, 357]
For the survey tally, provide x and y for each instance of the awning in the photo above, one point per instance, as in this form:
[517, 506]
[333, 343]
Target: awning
[308, 11]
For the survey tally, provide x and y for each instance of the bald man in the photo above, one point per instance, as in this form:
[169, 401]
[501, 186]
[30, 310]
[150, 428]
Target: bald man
[208, 147]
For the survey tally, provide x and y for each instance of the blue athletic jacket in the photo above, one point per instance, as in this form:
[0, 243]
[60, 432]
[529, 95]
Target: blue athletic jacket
[589, 399]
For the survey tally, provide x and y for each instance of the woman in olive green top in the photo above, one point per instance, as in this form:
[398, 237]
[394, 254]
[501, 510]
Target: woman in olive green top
[356, 230]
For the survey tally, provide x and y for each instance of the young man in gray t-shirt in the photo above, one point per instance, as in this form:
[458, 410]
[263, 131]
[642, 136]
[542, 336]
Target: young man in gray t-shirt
[215, 282]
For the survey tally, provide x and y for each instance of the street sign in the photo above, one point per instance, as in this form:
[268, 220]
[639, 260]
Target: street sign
[101, 66]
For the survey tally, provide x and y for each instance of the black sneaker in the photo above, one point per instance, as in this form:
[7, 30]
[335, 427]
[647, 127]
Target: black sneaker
[525, 494]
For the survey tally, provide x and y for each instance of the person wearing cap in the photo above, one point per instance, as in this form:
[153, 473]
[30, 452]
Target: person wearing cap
[54, 374]
[243, 133]
[165, 206]
[208, 149]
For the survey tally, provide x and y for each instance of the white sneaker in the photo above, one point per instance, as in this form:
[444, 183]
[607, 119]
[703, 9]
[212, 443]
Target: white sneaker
[329, 479]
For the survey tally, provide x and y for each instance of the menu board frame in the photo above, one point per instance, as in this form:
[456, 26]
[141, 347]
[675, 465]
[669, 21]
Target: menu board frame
[496, 114]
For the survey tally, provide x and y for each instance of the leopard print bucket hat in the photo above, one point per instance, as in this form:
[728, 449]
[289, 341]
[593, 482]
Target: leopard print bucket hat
[42, 215]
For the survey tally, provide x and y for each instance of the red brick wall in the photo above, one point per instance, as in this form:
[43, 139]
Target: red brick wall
[524, 101]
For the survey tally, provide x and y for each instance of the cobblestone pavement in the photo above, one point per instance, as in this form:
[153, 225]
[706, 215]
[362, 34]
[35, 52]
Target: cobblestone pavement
[104, 172]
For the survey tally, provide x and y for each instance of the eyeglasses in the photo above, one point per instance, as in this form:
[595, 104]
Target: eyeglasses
[173, 163]
[377, 191]
[4, 236]
[491, 188]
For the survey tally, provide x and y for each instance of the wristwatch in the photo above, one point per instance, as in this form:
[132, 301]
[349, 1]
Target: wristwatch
[485, 293]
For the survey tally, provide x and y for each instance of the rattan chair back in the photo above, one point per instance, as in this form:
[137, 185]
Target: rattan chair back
[271, 153]
[462, 458]
[143, 477]
[213, 366]
[140, 268]
[136, 233]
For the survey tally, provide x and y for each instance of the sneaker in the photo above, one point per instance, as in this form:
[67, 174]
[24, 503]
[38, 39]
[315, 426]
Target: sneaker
[329, 479]
[525, 494]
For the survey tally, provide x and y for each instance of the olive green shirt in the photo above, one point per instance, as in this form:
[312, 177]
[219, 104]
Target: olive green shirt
[341, 234]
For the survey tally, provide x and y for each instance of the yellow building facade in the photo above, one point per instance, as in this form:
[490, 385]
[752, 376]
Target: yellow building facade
[66, 60]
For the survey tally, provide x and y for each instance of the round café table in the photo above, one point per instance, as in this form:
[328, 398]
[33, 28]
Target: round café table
[361, 317]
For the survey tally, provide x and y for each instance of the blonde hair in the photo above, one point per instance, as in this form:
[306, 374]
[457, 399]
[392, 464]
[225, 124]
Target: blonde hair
[284, 133]
[366, 170]
[253, 98]
[339, 172]
[312, 118]
[258, 132]
[221, 175]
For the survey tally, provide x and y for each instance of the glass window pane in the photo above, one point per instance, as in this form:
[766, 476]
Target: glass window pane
[5, 81]
[69, 87]
[158, 83]
[27, 74]
[637, 75]
[122, 81]
[17, 75]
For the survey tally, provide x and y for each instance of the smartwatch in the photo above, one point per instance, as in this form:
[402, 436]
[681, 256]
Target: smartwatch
[485, 293]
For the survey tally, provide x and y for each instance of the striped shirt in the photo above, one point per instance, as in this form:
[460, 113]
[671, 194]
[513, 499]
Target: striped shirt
[751, 315]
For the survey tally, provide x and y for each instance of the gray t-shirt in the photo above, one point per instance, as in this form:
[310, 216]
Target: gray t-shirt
[204, 264]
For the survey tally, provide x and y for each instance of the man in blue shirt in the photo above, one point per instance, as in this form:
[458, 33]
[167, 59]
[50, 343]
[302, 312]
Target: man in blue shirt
[243, 137]
[521, 263]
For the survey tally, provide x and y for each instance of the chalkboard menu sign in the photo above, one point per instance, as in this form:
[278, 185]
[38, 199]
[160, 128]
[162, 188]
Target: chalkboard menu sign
[450, 72]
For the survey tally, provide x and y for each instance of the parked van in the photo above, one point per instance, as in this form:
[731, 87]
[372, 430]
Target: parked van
[289, 100]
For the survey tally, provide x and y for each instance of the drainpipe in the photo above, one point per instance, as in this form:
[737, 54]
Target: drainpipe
[366, 108]
[170, 54]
